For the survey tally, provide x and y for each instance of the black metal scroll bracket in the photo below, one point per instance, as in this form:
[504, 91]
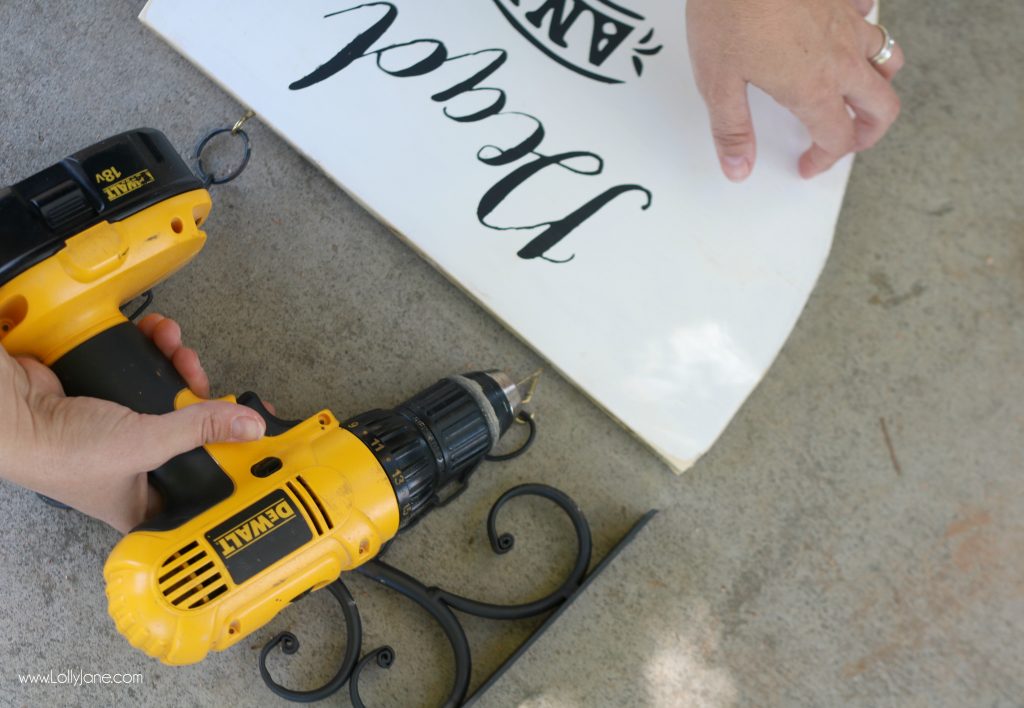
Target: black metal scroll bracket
[440, 604]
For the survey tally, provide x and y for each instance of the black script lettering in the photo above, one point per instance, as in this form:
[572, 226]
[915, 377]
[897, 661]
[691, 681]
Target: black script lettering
[561, 228]
[438, 56]
[470, 85]
[526, 147]
[557, 230]
[424, 66]
[356, 49]
[496, 194]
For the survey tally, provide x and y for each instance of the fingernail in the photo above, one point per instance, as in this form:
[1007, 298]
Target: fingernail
[737, 168]
[245, 428]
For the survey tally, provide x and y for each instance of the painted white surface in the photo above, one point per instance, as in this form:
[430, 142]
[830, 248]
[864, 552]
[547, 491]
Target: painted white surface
[666, 317]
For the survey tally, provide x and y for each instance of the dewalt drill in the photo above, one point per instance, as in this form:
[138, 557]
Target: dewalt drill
[245, 528]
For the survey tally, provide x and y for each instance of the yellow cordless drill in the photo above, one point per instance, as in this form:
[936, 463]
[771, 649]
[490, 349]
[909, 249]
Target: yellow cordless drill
[246, 528]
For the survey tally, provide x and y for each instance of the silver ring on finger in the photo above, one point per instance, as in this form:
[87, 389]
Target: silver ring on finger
[885, 53]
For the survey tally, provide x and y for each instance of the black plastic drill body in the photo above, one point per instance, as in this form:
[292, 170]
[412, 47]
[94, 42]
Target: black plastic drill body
[431, 443]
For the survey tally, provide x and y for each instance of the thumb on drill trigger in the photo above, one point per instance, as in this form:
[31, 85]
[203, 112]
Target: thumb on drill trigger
[165, 436]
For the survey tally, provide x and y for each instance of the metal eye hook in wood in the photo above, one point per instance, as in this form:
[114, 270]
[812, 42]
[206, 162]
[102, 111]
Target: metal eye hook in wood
[240, 122]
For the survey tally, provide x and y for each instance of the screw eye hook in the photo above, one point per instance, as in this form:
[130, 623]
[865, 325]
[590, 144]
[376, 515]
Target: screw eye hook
[241, 121]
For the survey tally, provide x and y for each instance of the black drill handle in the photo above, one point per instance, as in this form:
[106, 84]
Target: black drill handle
[122, 365]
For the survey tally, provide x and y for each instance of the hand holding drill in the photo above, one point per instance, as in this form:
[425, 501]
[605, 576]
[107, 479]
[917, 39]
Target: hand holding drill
[92, 454]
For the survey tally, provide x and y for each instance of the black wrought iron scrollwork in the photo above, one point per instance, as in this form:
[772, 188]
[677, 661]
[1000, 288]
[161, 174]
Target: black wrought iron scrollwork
[289, 644]
[502, 543]
[384, 656]
[440, 603]
[429, 600]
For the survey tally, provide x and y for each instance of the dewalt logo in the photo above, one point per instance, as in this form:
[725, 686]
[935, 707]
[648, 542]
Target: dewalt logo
[259, 535]
[128, 185]
[255, 528]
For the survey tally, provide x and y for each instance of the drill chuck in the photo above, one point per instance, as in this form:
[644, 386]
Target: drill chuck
[431, 443]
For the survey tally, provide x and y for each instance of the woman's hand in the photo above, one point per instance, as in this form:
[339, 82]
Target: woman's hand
[93, 454]
[809, 55]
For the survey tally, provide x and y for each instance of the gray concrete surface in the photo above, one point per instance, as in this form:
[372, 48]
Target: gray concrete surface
[801, 562]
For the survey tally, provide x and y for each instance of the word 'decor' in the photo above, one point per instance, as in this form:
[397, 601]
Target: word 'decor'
[434, 55]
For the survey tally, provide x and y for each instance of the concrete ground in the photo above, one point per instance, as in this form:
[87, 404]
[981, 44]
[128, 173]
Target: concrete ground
[854, 538]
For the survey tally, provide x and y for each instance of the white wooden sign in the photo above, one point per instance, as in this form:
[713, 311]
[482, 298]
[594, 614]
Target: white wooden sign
[553, 158]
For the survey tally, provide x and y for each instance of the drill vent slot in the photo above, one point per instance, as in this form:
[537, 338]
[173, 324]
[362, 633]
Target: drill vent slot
[190, 578]
[311, 504]
[180, 553]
